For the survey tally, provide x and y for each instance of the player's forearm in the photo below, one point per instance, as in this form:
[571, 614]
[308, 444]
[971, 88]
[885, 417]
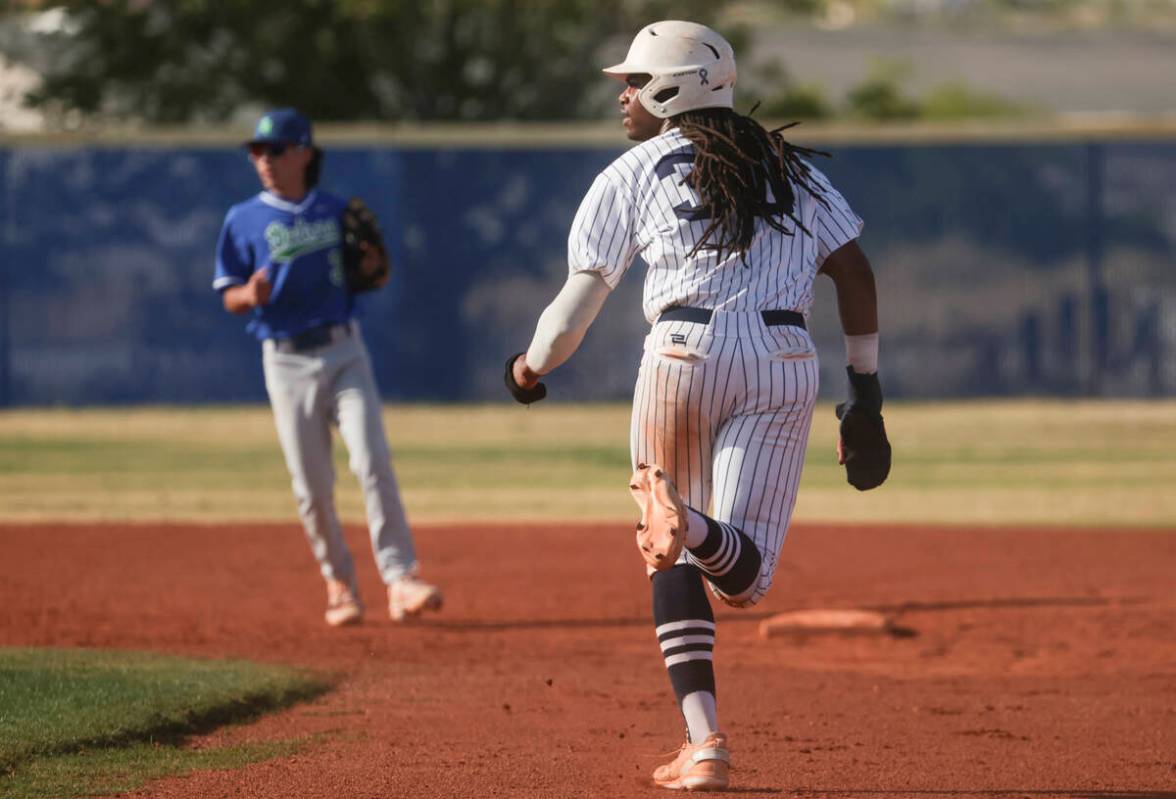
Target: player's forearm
[857, 304]
[554, 342]
[564, 322]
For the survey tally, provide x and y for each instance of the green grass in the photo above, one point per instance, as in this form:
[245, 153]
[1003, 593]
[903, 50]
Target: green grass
[95, 772]
[1039, 461]
[80, 722]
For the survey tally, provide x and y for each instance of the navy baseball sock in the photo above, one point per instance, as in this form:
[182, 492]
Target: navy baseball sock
[686, 634]
[728, 558]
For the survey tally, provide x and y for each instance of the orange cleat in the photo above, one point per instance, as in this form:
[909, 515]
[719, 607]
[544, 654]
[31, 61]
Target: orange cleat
[661, 533]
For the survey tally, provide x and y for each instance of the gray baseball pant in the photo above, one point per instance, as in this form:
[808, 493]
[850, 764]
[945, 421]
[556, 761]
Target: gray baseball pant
[309, 391]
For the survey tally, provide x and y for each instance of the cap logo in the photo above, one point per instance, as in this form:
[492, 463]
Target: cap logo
[702, 75]
[265, 127]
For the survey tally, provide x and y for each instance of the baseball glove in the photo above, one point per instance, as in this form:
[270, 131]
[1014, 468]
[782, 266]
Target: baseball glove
[365, 259]
[863, 435]
[523, 395]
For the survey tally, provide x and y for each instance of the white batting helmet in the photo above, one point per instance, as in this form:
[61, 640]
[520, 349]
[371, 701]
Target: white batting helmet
[691, 67]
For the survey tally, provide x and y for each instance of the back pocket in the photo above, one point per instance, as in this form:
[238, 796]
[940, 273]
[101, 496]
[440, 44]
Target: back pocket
[680, 353]
[794, 353]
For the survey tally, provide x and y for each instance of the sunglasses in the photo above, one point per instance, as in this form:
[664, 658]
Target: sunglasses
[273, 149]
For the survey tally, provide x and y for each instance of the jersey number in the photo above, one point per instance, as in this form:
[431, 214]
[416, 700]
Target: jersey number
[667, 167]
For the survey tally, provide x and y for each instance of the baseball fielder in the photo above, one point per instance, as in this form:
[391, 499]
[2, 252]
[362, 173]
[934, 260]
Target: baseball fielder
[734, 226]
[287, 258]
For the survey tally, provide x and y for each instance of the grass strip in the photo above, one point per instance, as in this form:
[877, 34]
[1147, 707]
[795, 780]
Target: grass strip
[76, 722]
[110, 771]
[1002, 462]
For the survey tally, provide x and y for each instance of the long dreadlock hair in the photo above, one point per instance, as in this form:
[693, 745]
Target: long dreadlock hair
[743, 172]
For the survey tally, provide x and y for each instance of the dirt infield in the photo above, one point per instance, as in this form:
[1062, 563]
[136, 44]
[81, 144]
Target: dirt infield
[1043, 662]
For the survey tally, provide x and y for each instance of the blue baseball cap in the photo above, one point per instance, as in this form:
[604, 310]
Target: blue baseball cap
[283, 126]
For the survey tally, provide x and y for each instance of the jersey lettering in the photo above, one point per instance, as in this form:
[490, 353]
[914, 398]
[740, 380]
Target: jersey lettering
[299, 243]
[667, 167]
[286, 243]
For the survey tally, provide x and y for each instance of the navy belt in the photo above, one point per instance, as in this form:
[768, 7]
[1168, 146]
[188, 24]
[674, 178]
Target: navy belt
[702, 316]
[313, 339]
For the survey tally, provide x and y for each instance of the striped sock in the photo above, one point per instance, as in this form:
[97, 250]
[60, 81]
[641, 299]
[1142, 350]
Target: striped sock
[686, 635]
[728, 558]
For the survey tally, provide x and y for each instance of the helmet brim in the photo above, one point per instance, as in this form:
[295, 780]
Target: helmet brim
[624, 69]
[619, 71]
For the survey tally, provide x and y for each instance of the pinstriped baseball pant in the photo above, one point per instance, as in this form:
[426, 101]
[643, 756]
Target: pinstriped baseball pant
[725, 408]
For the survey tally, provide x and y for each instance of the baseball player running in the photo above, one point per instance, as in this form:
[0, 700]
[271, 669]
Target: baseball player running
[287, 258]
[734, 226]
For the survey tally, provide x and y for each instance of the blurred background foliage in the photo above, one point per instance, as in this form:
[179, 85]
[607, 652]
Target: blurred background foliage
[184, 62]
[1002, 14]
[204, 61]
[193, 60]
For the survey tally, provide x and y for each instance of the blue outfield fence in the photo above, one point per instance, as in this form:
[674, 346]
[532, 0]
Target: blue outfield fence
[1003, 269]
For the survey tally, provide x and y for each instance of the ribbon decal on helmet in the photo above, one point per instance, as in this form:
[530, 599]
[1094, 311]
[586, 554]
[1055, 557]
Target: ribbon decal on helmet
[702, 74]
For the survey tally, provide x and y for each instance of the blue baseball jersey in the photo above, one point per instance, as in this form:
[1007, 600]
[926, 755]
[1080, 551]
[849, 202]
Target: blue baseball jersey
[300, 245]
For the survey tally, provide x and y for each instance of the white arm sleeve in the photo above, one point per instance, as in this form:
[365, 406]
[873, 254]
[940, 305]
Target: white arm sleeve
[563, 324]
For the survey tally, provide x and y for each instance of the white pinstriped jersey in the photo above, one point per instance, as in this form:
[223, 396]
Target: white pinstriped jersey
[640, 204]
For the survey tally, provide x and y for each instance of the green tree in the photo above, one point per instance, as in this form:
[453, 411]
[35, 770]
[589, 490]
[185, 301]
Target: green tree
[957, 100]
[177, 61]
[881, 97]
[787, 100]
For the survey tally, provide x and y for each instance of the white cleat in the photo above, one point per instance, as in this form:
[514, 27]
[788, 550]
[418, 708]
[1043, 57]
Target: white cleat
[411, 596]
[698, 767]
[343, 605]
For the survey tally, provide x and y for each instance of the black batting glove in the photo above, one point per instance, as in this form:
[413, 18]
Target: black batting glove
[864, 445]
[524, 395]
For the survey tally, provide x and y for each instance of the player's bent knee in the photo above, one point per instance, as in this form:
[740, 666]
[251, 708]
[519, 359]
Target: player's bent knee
[735, 570]
[743, 599]
[740, 601]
